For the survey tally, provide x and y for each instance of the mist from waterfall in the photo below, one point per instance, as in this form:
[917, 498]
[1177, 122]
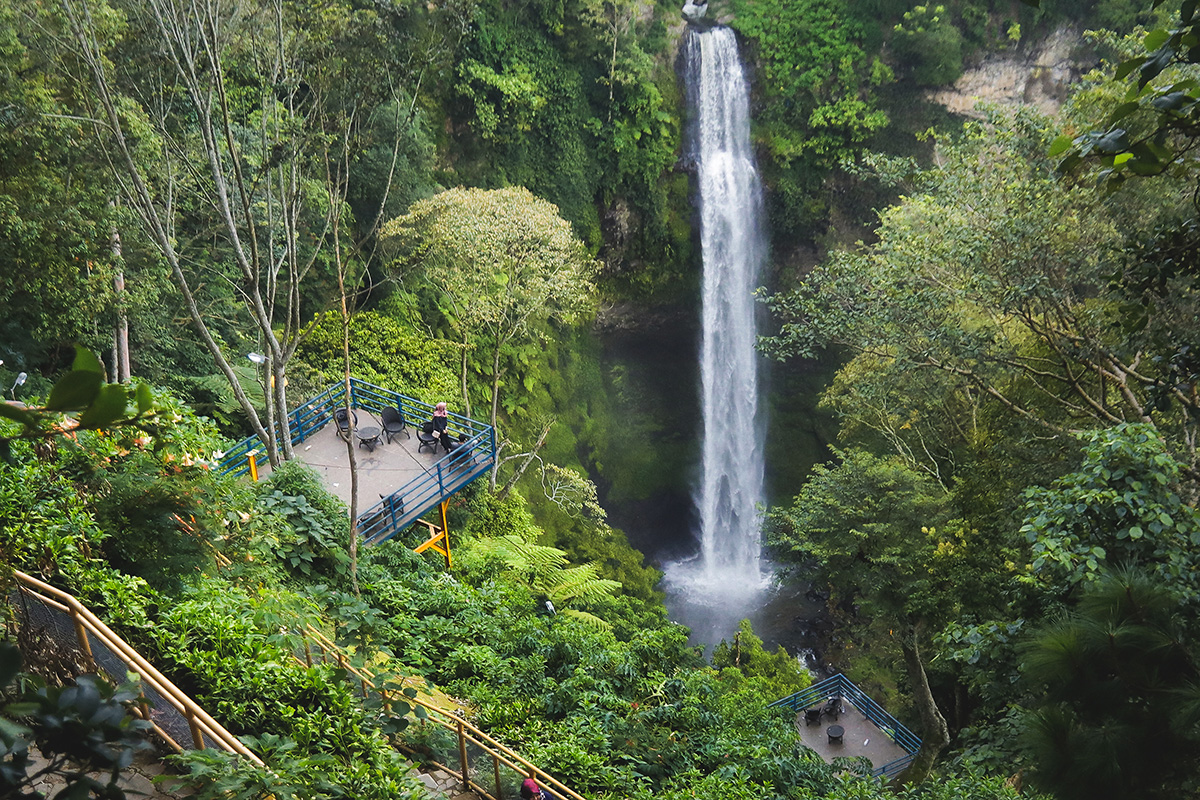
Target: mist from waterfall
[722, 583]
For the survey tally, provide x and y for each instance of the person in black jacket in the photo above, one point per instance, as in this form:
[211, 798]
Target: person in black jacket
[437, 426]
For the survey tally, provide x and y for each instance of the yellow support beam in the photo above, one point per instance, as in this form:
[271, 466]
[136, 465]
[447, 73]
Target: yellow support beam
[439, 540]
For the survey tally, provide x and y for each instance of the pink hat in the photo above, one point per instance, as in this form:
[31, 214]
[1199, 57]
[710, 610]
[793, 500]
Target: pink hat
[531, 785]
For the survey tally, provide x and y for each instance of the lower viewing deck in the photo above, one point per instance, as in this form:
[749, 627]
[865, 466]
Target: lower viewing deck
[836, 719]
[860, 737]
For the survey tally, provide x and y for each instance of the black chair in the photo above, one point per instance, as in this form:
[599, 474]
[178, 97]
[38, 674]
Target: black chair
[392, 504]
[812, 716]
[426, 438]
[460, 453]
[394, 424]
[833, 707]
[345, 423]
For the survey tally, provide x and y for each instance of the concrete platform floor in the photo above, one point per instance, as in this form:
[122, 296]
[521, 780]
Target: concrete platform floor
[380, 471]
[862, 738]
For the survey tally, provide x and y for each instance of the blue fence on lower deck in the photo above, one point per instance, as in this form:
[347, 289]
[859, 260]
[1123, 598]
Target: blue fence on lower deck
[839, 686]
[391, 515]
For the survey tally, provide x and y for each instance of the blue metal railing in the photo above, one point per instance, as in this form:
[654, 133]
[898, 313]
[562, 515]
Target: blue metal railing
[303, 422]
[839, 686]
[449, 475]
[473, 458]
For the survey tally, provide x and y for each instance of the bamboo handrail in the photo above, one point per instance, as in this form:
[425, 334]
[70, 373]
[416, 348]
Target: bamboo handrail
[201, 723]
[454, 723]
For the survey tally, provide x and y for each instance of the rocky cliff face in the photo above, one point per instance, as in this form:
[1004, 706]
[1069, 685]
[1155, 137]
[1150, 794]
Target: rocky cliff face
[1038, 74]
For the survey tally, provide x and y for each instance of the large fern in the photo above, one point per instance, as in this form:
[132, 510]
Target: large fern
[546, 570]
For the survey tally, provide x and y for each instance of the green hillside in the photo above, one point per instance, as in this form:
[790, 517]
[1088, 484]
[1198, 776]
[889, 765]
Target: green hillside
[445, 198]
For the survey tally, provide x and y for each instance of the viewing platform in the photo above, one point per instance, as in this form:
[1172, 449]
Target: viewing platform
[400, 478]
[838, 720]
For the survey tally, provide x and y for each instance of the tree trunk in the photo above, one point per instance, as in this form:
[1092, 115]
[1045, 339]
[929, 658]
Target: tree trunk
[157, 227]
[121, 330]
[353, 474]
[465, 394]
[347, 305]
[495, 385]
[524, 464]
[936, 735]
[350, 454]
[612, 67]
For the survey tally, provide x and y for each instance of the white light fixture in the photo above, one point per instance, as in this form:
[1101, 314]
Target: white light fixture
[257, 358]
[20, 381]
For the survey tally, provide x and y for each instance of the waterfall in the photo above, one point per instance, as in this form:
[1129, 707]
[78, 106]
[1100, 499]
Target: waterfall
[729, 567]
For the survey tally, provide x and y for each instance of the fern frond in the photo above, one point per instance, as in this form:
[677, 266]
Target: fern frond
[590, 620]
[582, 583]
[518, 554]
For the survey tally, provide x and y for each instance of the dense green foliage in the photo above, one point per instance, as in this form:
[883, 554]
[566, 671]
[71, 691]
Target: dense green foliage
[1007, 537]
[1015, 398]
[818, 86]
[1122, 703]
[611, 699]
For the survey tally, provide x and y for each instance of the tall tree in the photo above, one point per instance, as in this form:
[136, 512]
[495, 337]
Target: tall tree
[221, 140]
[505, 266]
[996, 274]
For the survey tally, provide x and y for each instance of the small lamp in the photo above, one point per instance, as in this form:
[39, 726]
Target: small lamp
[257, 358]
[20, 381]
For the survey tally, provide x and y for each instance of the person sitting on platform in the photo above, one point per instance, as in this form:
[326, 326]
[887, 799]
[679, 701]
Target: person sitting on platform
[437, 426]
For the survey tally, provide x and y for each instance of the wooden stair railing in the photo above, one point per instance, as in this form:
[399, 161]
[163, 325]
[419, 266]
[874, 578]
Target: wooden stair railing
[205, 730]
[465, 732]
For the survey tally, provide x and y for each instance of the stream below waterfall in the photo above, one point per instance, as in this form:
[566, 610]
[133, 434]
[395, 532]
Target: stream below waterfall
[659, 377]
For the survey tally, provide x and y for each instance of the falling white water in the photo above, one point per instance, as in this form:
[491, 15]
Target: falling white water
[728, 573]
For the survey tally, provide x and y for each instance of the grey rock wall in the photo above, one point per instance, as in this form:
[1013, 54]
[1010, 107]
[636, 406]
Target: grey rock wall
[1038, 75]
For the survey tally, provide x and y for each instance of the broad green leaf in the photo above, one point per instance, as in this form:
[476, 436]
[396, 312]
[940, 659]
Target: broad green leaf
[107, 408]
[86, 361]
[1171, 101]
[1154, 65]
[1155, 39]
[1060, 145]
[145, 400]
[17, 414]
[1140, 167]
[1114, 141]
[1122, 111]
[1127, 67]
[76, 390]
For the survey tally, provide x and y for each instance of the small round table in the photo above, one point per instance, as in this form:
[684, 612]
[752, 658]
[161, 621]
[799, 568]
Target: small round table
[835, 732]
[368, 437]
